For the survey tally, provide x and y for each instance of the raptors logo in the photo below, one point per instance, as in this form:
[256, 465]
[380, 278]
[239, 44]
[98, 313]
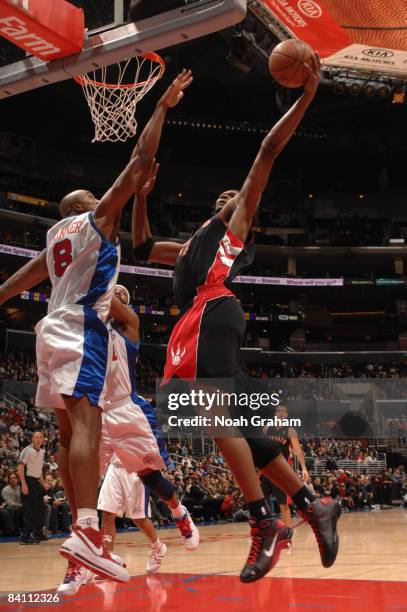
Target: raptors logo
[177, 355]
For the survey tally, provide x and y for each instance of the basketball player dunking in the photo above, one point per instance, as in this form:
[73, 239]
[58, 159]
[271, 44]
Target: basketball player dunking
[82, 261]
[206, 340]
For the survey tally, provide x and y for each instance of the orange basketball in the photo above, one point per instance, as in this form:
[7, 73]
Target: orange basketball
[287, 62]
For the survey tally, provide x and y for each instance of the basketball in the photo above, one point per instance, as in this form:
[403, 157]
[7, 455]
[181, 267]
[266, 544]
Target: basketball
[287, 62]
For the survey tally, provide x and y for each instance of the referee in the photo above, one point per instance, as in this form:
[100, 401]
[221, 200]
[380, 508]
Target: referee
[30, 466]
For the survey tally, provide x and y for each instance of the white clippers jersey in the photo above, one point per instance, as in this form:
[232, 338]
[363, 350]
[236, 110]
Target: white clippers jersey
[83, 265]
[120, 382]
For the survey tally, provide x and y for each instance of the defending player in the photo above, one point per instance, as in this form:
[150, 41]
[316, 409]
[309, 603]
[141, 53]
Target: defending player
[129, 423]
[82, 261]
[124, 494]
[288, 440]
[129, 445]
[206, 340]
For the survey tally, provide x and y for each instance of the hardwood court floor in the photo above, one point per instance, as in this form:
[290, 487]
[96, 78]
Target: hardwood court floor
[370, 572]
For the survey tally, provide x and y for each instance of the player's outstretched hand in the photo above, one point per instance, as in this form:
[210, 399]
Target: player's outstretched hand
[149, 183]
[175, 92]
[313, 75]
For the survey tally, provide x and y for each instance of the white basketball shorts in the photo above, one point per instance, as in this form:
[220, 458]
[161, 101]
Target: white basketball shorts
[72, 356]
[123, 493]
[127, 433]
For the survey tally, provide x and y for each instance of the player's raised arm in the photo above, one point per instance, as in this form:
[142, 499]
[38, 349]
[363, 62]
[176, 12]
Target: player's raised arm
[275, 141]
[147, 145]
[33, 272]
[108, 210]
[127, 318]
[144, 247]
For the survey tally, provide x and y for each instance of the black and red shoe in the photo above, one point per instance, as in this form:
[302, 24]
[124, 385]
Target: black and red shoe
[322, 515]
[269, 537]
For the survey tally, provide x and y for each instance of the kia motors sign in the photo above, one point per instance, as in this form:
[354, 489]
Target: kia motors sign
[310, 21]
[310, 8]
[384, 61]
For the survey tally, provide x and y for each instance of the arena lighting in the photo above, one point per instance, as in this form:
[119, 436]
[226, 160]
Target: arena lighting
[341, 87]
[399, 96]
[369, 90]
[243, 127]
[355, 88]
[384, 91]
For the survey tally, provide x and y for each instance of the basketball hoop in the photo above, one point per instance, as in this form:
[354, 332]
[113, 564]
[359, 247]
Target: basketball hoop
[113, 104]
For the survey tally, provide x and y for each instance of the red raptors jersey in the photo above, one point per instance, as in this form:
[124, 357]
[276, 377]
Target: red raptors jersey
[213, 257]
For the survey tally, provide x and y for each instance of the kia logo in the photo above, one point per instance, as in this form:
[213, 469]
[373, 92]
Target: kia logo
[377, 53]
[310, 8]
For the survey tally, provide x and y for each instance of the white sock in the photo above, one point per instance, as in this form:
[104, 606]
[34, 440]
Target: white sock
[157, 544]
[88, 518]
[178, 512]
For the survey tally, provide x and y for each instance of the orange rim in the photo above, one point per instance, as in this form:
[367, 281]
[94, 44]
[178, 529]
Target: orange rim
[83, 79]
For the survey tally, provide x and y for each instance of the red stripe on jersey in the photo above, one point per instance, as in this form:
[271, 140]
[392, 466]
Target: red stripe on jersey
[229, 248]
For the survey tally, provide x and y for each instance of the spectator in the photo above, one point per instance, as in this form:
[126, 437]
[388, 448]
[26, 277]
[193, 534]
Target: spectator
[12, 506]
[3, 482]
[57, 509]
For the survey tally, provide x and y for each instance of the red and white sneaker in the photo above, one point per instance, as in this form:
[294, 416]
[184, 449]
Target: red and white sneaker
[85, 546]
[189, 531]
[76, 576]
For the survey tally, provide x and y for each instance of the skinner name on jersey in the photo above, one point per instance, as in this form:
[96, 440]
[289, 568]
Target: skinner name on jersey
[73, 228]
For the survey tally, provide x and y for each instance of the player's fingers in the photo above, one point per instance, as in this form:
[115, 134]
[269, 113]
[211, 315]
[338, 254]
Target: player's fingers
[309, 72]
[314, 63]
[317, 65]
[187, 83]
[178, 78]
[150, 169]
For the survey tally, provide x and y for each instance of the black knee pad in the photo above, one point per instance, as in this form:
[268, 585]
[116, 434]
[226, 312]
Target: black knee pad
[263, 450]
[159, 485]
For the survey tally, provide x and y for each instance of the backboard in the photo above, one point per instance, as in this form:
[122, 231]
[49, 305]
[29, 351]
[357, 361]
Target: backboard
[101, 16]
[109, 41]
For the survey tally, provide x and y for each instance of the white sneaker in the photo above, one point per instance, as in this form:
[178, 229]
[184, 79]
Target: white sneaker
[155, 557]
[189, 531]
[85, 546]
[118, 559]
[75, 577]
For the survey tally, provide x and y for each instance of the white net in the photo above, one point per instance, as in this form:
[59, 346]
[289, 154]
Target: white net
[113, 105]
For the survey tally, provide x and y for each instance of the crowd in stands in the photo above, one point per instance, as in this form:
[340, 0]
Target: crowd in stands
[21, 367]
[203, 482]
[344, 370]
[182, 219]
